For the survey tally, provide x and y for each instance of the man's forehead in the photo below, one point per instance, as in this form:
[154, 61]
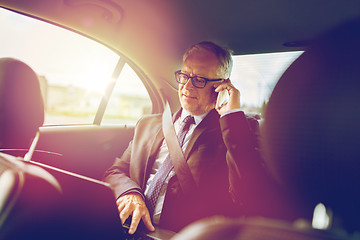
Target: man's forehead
[201, 63]
[201, 54]
[202, 57]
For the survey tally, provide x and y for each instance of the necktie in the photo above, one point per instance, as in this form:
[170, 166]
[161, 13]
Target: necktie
[159, 178]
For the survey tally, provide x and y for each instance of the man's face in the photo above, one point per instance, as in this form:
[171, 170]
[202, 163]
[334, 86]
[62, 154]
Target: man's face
[198, 101]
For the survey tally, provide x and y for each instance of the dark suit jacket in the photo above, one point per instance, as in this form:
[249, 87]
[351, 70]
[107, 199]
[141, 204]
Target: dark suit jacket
[221, 156]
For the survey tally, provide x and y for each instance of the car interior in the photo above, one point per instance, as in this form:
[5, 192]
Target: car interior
[79, 74]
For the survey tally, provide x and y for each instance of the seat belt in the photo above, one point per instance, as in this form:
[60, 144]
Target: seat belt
[182, 169]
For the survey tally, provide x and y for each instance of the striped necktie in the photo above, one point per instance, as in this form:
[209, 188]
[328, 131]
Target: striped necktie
[164, 170]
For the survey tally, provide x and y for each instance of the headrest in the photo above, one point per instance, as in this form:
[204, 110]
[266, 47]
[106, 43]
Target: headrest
[21, 104]
[312, 122]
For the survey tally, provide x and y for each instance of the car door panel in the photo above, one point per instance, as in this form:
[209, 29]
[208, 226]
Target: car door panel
[85, 149]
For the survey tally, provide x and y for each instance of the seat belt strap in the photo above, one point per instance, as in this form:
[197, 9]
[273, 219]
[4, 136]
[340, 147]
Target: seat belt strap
[182, 169]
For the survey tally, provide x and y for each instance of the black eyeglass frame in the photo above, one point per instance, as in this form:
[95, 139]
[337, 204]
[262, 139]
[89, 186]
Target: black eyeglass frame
[192, 79]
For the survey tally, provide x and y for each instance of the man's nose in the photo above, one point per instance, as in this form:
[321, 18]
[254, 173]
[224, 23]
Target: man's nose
[189, 84]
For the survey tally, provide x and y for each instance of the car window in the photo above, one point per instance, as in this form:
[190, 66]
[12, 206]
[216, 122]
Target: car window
[256, 75]
[128, 101]
[73, 70]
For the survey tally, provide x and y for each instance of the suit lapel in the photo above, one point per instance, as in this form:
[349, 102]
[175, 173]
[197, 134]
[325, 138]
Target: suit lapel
[154, 145]
[209, 123]
[154, 140]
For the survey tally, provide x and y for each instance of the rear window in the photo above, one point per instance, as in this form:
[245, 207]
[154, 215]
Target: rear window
[256, 76]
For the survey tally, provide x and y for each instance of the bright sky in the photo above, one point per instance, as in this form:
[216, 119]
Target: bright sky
[56, 52]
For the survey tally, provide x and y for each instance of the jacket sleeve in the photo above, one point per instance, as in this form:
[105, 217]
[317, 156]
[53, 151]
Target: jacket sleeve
[127, 173]
[247, 173]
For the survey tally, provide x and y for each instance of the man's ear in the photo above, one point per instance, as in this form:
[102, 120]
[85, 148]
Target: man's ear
[214, 95]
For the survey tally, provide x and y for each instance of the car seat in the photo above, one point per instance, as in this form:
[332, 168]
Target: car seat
[29, 196]
[38, 201]
[21, 104]
[311, 129]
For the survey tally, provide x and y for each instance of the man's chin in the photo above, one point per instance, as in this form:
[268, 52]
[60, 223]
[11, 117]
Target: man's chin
[191, 108]
[187, 102]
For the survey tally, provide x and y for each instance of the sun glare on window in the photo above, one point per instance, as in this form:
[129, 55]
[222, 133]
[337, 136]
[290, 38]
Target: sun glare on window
[73, 70]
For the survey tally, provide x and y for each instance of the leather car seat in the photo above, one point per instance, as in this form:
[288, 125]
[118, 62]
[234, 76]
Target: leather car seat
[21, 104]
[29, 197]
[311, 129]
[38, 201]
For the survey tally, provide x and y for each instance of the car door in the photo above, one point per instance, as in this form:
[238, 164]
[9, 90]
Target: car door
[93, 96]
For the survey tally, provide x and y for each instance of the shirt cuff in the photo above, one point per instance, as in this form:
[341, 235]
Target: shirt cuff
[230, 111]
[133, 190]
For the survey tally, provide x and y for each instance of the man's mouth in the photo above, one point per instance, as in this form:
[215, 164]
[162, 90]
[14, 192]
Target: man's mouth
[188, 96]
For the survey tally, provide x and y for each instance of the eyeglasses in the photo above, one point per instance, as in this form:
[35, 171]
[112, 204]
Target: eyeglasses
[198, 82]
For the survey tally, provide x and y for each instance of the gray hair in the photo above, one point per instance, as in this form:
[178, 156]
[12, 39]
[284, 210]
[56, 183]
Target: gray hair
[223, 55]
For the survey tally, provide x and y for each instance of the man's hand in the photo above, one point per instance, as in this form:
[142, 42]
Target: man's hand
[133, 204]
[234, 96]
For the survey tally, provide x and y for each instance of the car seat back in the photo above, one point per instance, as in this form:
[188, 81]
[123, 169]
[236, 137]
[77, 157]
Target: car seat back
[311, 129]
[21, 104]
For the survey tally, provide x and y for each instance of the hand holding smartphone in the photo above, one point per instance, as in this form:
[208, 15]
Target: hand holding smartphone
[222, 98]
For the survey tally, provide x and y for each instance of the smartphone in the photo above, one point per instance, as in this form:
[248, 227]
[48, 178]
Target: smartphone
[222, 98]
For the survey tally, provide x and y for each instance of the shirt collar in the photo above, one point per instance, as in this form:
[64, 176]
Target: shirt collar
[197, 118]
